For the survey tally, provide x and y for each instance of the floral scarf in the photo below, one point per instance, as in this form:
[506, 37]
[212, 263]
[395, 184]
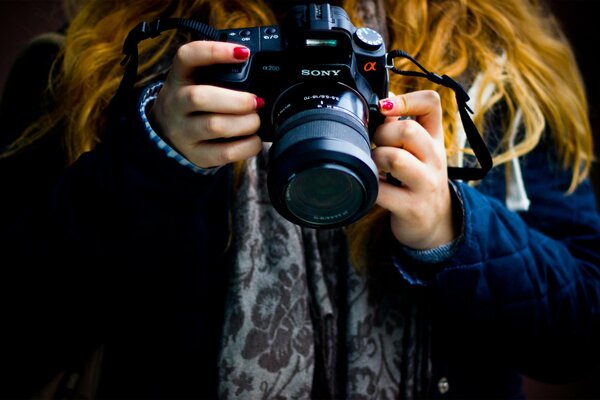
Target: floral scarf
[301, 323]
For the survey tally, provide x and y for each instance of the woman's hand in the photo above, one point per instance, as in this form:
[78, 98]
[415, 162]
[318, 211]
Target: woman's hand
[190, 116]
[413, 151]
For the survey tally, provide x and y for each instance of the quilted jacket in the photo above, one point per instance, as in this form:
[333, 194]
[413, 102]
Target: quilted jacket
[125, 248]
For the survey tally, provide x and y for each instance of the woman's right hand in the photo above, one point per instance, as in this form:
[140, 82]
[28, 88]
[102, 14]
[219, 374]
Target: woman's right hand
[190, 116]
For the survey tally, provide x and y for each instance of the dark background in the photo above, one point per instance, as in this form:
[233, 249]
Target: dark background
[20, 20]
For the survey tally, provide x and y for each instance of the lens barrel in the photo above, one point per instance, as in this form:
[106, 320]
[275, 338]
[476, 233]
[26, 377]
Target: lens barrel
[321, 174]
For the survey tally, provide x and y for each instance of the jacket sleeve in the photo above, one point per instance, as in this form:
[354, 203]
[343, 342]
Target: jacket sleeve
[100, 245]
[528, 283]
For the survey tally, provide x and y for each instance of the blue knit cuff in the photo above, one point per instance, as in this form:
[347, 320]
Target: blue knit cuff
[432, 256]
[147, 97]
[430, 260]
[420, 275]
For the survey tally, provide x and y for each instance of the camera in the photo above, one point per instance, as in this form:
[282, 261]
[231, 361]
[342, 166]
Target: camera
[321, 78]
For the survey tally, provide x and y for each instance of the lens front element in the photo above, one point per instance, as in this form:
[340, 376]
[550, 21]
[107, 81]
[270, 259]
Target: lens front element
[324, 195]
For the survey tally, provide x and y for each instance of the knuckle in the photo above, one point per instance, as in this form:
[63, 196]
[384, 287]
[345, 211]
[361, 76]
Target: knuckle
[429, 183]
[411, 128]
[240, 150]
[213, 50]
[402, 102]
[397, 161]
[432, 96]
[214, 124]
[184, 51]
[229, 154]
[439, 161]
[196, 98]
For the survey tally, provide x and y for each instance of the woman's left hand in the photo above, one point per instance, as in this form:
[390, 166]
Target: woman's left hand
[413, 152]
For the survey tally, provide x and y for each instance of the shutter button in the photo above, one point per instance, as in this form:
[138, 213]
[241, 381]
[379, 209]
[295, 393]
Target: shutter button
[443, 385]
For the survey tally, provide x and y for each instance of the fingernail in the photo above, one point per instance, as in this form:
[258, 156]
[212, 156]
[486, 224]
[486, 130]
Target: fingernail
[387, 105]
[260, 103]
[241, 53]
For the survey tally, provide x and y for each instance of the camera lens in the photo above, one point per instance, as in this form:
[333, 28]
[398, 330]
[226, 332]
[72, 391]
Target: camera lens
[324, 195]
[320, 169]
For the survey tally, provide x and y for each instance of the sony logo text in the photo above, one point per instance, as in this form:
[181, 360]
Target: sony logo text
[321, 72]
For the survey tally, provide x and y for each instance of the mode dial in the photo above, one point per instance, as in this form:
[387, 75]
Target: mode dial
[368, 39]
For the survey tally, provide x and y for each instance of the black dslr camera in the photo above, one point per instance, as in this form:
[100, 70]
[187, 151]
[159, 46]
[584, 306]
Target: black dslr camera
[321, 79]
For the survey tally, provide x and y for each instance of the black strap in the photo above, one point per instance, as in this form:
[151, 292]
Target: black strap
[147, 30]
[473, 136]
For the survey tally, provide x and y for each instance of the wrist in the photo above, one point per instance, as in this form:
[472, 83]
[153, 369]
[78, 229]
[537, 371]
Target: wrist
[439, 232]
[147, 117]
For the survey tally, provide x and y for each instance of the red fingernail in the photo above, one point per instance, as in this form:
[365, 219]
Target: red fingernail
[260, 103]
[387, 105]
[241, 53]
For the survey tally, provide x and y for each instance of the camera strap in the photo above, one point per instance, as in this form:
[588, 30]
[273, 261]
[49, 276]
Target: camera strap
[473, 136]
[147, 30]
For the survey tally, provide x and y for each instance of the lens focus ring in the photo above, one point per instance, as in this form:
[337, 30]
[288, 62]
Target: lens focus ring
[317, 124]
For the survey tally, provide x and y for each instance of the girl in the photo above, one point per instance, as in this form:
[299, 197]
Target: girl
[148, 233]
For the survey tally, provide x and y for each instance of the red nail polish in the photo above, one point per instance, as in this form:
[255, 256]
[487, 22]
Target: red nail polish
[260, 103]
[241, 53]
[387, 105]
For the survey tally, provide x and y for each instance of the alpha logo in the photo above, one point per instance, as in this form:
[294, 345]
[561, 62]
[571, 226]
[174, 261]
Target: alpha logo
[321, 72]
[370, 66]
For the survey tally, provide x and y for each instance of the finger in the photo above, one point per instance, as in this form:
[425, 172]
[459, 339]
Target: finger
[406, 134]
[212, 154]
[196, 54]
[212, 126]
[423, 105]
[402, 164]
[393, 198]
[202, 98]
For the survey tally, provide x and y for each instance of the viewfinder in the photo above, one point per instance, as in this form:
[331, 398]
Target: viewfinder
[321, 42]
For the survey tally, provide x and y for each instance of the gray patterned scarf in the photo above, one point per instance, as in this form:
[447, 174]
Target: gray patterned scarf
[301, 323]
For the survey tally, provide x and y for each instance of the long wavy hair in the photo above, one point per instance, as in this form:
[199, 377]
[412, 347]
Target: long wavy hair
[454, 37]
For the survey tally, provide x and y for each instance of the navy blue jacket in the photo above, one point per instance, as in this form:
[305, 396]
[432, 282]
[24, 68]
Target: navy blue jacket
[126, 248]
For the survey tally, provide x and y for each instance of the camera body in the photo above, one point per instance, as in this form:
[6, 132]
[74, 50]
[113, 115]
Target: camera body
[317, 45]
[321, 79]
